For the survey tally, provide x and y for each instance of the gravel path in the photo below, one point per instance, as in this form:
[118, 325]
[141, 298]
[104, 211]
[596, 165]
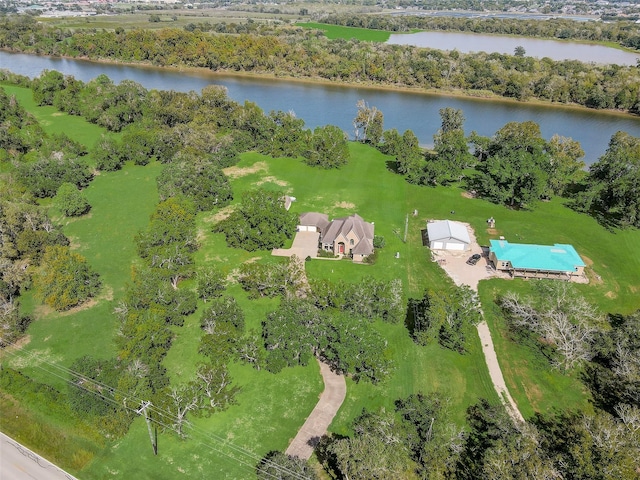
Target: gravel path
[455, 266]
[335, 390]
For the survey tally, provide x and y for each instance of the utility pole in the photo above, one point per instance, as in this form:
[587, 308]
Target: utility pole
[154, 439]
[406, 228]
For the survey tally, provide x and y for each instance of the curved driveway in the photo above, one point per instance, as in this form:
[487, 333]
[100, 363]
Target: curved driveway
[335, 390]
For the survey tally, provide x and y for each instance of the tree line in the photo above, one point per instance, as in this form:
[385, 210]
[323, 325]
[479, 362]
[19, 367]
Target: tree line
[297, 52]
[515, 166]
[624, 33]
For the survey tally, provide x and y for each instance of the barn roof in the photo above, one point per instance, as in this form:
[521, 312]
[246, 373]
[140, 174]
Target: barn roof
[447, 230]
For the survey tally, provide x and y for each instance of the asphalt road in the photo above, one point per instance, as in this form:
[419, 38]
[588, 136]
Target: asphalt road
[19, 463]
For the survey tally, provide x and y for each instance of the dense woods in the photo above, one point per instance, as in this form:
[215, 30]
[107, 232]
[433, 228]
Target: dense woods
[297, 52]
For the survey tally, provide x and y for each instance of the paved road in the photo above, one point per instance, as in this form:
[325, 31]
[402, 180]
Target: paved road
[19, 463]
[335, 390]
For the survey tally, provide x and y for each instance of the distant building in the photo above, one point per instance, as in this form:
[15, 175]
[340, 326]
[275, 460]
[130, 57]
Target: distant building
[350, 235]
[536, 261]
[448, 235]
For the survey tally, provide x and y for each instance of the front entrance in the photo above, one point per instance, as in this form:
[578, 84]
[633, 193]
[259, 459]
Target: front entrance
[341, 248]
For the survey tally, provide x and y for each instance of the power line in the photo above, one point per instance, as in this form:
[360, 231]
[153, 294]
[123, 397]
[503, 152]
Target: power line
[98, 386]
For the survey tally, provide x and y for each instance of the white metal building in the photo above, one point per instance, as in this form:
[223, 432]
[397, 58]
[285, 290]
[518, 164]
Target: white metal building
[448, 235]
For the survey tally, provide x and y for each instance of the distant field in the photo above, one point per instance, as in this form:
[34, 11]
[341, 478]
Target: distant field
[337, 31]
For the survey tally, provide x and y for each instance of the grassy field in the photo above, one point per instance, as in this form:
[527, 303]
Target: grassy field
[338, 31]
[270, 408]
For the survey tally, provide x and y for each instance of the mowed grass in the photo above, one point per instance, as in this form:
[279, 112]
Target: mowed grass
[56, 122]
[270, 408]
[337, 31]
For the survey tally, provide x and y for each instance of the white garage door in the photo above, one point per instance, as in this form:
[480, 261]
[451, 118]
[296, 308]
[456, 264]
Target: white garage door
[437, 245]
[306, 228]
[455, 246]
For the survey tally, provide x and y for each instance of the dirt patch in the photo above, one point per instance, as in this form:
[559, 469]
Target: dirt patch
[271, 179]
[469, 194]
[220, 215]
[252, 260]
[236, 172]
[633, 289]
[85, 306]
[588, 262]
[15, 346]
[345, 205]
[492, 231]
[611, 294]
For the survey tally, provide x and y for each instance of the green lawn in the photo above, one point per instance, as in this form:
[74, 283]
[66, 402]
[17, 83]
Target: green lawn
[270, 408]
[337, 31]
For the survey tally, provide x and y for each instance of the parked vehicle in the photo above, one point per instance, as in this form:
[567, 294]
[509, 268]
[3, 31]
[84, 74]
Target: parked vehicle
[473, 259]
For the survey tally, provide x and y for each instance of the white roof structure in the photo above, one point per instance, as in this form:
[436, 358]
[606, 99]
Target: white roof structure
[445, 230]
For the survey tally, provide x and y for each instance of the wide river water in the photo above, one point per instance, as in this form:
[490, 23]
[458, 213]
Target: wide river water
[321, 104]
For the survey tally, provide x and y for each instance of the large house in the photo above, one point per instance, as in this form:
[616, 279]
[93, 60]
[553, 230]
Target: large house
[536, 261]
[350, 235]
[448, 235]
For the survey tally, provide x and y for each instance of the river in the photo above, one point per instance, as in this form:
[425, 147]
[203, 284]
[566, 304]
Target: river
[534, 47]
[322, 104]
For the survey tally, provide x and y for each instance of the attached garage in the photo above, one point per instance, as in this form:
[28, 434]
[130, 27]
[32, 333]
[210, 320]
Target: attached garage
[448, 235]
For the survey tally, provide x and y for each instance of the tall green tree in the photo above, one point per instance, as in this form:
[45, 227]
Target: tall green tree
[613, 184]
[71, 201]
[201, 181]
[514, 171]
[451, 149]
[64, 278]
[260, 223]
[328, 148]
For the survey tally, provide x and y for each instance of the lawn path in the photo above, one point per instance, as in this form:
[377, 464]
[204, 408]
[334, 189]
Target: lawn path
[335, 390]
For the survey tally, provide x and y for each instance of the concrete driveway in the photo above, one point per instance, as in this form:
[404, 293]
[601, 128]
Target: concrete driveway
[455, 264]
[305, 244]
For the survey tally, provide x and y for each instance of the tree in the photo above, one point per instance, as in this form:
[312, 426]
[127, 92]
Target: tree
[211, 283]
[410, 158]
[202, 182]
[519, 51]
[560, 317]
[613, 184]
[565, 167]
[514, 171]
[368, 123]
[376, 450]
[44, 176]
[71, 201]
[107, 154]
[279, 466]
[446, 317]
[328, 148]
[452, 151]
[64, 279]
[170, 239]
[46, 86]
[260, 223]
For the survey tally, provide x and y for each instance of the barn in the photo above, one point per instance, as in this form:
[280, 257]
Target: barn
[448, 235]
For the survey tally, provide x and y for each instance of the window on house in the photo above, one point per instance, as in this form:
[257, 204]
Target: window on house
[351, 242]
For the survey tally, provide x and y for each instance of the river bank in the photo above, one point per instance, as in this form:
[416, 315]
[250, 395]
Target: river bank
[479, 95]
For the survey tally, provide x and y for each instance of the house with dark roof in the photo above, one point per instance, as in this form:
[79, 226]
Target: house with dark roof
[536, 261]
[352, 235]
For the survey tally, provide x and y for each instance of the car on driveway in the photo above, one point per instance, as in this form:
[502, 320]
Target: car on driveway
[473, 259]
